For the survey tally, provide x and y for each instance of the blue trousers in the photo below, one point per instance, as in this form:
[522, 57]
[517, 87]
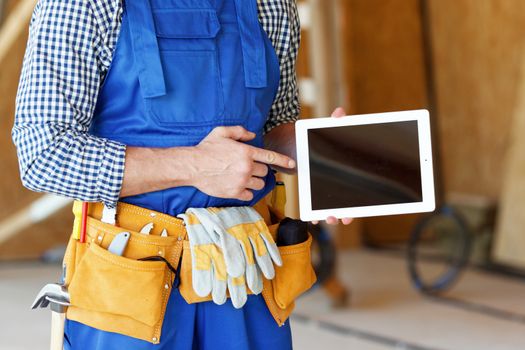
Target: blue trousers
[202, 326]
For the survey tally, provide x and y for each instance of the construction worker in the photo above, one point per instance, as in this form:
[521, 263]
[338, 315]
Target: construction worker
[165, 105]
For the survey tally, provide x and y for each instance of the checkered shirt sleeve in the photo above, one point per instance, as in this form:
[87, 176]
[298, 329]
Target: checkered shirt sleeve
[280, 19]
[65, 59]
[69, 51]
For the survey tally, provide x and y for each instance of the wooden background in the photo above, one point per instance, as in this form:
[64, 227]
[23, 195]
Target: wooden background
[13, 196]
[477, 54]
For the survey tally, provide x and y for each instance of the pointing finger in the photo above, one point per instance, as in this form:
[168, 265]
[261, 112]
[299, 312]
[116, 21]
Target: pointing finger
[273, 158]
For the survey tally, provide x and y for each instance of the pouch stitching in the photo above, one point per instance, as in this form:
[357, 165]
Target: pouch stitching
[95, 226]
[165, 300]
[124, 207]
[272, 305]
[97, 253]
[145, 213]
[291, 252]
[136, 240]
[158, 326]
[304, 246]
[129, 267]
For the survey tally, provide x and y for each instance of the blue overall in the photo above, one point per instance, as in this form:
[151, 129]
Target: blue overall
[180, 69]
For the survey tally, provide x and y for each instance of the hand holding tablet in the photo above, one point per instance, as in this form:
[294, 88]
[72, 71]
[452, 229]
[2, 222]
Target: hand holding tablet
[365, 165]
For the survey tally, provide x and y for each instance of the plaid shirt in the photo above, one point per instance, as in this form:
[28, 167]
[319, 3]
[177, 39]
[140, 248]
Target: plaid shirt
[69, 51]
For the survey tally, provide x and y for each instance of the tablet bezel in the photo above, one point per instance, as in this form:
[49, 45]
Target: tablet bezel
[425, 151]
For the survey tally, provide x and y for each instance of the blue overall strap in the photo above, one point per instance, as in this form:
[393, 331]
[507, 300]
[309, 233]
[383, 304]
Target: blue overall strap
[146, 48]
[253, 49]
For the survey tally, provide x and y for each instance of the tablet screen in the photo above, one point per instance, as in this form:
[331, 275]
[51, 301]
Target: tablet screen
[364, 165]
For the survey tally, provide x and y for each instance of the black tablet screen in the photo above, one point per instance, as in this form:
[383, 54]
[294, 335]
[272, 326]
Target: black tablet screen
[363, 165]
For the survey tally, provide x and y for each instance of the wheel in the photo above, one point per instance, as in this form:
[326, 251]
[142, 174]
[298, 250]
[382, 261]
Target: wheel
[438, 250]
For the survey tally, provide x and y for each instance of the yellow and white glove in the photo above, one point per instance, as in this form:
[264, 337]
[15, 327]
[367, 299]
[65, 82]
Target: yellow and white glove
[226, 244]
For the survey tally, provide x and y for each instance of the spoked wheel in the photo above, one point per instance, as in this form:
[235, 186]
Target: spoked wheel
[438, 250]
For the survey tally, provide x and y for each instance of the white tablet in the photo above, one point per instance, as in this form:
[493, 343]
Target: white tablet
[365, 165]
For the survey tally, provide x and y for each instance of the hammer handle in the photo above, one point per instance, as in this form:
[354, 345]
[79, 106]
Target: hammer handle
[57, 330]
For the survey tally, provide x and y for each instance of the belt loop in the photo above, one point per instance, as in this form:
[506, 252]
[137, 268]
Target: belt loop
[253, 47]
[146, 48]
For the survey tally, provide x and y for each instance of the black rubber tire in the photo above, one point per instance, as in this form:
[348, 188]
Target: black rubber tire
[449, 277]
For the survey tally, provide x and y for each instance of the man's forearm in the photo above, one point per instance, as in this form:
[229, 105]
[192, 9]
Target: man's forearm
[155, 169]
[221, 165]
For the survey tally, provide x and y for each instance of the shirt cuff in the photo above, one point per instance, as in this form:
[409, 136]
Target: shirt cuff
[111, 174]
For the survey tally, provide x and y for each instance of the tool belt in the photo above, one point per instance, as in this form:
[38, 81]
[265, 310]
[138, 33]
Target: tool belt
[129, 294]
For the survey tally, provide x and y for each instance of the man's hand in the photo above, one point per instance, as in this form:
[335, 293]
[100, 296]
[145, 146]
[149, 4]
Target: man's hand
[331, 220]
[220, 166]
[225, 167]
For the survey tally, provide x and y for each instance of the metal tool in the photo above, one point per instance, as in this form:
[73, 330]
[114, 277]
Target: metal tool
[147, 228]
[56, 297]
[119, 243]
[109, 215]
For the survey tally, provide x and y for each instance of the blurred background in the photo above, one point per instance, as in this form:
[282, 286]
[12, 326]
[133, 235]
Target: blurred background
[451, 280]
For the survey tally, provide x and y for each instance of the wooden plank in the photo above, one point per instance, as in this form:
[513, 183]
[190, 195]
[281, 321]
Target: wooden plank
[323, 56]
[478, 48]
[32, 242]
[509, 242]
[385, 71]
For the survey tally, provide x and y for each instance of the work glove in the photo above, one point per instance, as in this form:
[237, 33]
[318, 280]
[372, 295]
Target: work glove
[226, 244]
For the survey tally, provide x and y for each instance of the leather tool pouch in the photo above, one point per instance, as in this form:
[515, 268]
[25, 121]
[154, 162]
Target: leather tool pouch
[291, 280]
[125, 295]
[120, 294]
[296, 275]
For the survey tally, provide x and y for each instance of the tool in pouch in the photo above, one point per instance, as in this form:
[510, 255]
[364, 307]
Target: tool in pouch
[120, 241]
[56, 295]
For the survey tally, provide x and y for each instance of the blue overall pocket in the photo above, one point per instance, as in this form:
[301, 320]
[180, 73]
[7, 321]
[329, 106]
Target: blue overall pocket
[187, 45]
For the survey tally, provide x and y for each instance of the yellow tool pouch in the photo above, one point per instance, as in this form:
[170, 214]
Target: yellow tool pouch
[122, 294]
[292, 279]
[125, 295]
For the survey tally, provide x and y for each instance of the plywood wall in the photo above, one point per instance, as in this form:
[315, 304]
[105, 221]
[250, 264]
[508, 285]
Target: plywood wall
[384, 43]
[509, 242]
[479, 54]
[385, 72]
[478, 48]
